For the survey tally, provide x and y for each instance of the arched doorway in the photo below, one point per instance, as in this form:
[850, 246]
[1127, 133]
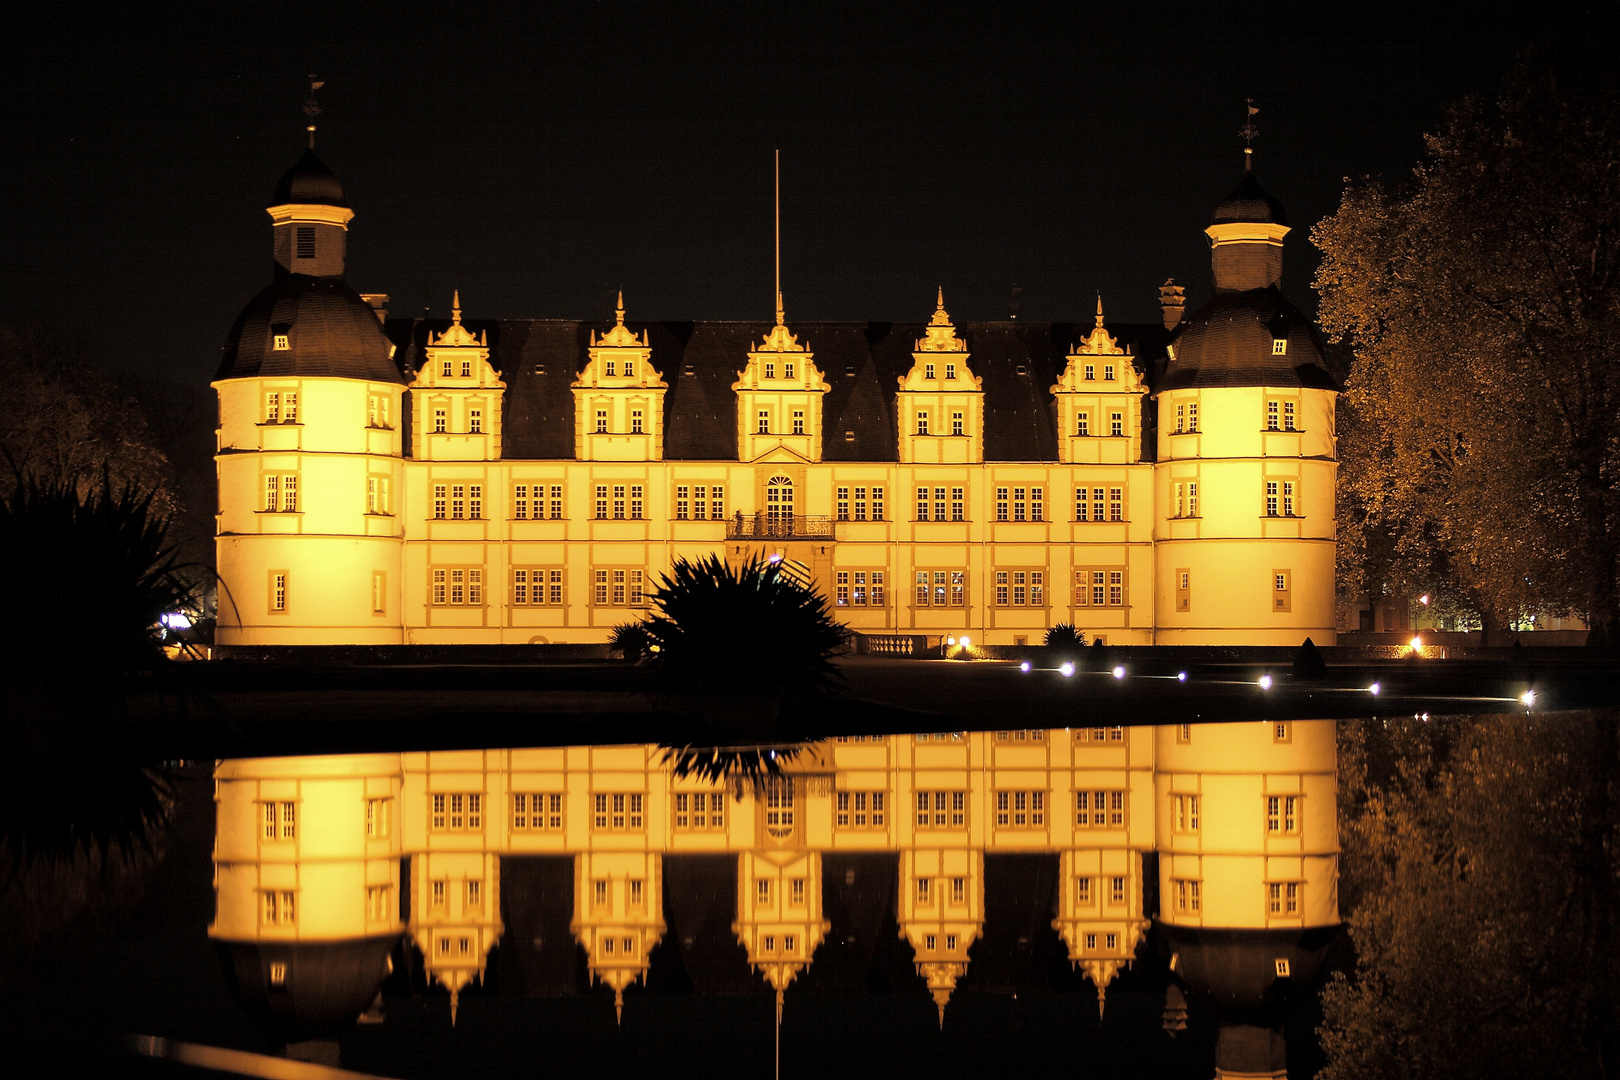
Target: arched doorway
[779, 506]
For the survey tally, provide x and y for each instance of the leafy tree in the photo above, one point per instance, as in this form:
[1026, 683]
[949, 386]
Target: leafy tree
[1483, 300]
[744, 640]
[1478, 873]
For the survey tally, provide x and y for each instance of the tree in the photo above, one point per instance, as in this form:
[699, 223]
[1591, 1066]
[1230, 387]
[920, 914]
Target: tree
[1478, 871]
[1483, 302]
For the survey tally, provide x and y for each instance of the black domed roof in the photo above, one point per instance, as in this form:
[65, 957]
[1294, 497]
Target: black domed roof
[1249, 202]
[1229, 342]
[309, 182]
[324, 984]
[331, 332]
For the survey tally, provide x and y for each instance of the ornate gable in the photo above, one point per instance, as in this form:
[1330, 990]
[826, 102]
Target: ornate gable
[779, 398]
[456, 397]
[939, 409]
[619, 398]
[1099, 401]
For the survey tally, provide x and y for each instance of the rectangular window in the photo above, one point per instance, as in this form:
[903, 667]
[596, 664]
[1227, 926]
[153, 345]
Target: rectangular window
[1091, 372]
[617, 811]
[1082, 424]
[700, 811]
[1183, 589]
[379, 905]
[456, 586]
[601, 501]
[1281, 594]
[779, 818]
[1279, 346]
[1184, 813]
[306, 241]
[941, 588]
[764, 422]
[860, 504]
[378, 814]
[637, 503]
[1099, 735]
[1099, 809]
[520, 503]
[635, 420]
[458, 502]
[958, 504]
[1116, 504]
[618, 502]
[601, 422]
[1283, 898]
[1021, 809]
[1192, 416]
[798, 421]
[475, 421]
[272, 408]
[858, 588]
[278, 590]
[281, 493]
[683, 502]
[537, 812]
[1099, 587]
[475, 501]
[796, 891]
[1288, 499]
[280, 821]
[922, 504]
[1271, 498]
[1282, 815]
[843, 504]
[377, 411]
[877, 504]
[1116, 424]
[1082, 504]
[1082, 891]
[1273, 416]
[957, 424]
[277, 908]
[941, 809]
[1189, 896]
[456, 811]
[1116, 894]
[922, 423]
[859, 809]
[441, 422]
[1020, 588]
[616, 587]
[1288, 416]
[534, 586]
[441, 501]
[1002, 513]
[1020, 505]
[377, 501]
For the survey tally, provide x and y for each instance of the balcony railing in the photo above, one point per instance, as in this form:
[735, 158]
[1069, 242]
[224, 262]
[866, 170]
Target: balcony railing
[784, 527]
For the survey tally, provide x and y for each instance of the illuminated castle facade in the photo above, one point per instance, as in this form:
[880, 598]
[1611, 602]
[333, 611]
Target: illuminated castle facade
[1239, 819]
[385, 482]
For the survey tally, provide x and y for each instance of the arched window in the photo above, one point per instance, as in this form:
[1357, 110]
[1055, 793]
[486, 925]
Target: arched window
[779, 503]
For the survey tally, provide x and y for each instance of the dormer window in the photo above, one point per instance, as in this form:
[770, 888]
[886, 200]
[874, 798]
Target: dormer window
[1108, 372]
[466, 369]
[950, 372]
[928, 371]
[690, 370]
[610, 369]
[448, 370]
[787, 371]
[306, 242]
[629, 369]
[770, 371]
[283, 343]
[1022, 369]
[1279, 346]
[1091, 373]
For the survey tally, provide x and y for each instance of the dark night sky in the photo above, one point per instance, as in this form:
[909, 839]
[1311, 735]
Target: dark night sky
[538, 156]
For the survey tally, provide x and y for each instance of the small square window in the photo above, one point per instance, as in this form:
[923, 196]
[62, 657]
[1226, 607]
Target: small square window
[1283, 970]
[1279, 346]
[283, 342]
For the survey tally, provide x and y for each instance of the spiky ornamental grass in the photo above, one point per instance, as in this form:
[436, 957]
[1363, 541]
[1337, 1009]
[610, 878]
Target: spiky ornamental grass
[91, 576]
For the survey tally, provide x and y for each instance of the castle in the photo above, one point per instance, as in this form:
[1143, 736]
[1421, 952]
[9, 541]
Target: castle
[401, 481]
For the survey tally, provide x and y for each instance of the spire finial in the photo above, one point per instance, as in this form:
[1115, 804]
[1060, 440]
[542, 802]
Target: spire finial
[455, 309]
[1102, 1000]
[618, 1006]
[455, 995]
[618, 312]
[312, 108]
[1099, 309]
[778, 238]
[942, 298]
[1249, 132]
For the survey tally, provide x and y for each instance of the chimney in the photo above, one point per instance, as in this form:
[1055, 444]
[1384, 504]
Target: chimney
[1172, 303]
[379, 304]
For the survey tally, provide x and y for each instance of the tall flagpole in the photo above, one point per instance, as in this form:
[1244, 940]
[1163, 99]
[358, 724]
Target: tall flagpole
[778, 238]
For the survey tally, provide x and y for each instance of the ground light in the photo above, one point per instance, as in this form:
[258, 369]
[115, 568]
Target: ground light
[1024, 666]
[1417, 646]
[1529, 699]
[1265, 682]
[1066, 669]
[1374, 689]
[1119, 671]
[1181, 676]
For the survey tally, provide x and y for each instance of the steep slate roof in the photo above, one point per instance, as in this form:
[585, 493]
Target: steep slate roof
[1228, 342]
[861, 362]
[331, 332]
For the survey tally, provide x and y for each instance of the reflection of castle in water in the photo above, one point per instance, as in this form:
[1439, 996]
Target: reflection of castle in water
[323, 863]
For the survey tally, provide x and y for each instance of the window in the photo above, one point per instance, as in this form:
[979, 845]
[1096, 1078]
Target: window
[1002, 512]
[1108, 372]
[537, 586]
[1116, 894]
[475, 421]
[379, 812]
[638, 895]
[278, 590]
[1288, 498]
[1082, 423]
[1116, 504]
[457, 586]
[928, 371]
[456, 811]
[1282, 815]
[764, 421]
[1027, 503]
[306, 242]
[276, 906]
[440, 422]
[281, 493]
[1282, 731]
[272, 408]
[599, 893]
[537, 812]
[379, 591]
[858, 588]
[700, 811]
[1273, 420]
[1283, 898]
[377, 411]
[1099, 504]
[441, 501]
[941, 588]
[601, 501]
[522, 508]
[1181, 418]
[1281, 596]
[475, 893]
[448, 370]
[1184, 733]
[378, 499]
[475, 501]
[1024, 735]
[283, 343]
[770, 371]
[1021, 809]
[601, 421]
[1188, 894]
[1099, 809]
[1116, 424]
[941, 809]
[958, 896]
[692, 502]
[1099, 735]
[859, 809]
[379, 906]
[466, 369]
[796, 891]
[957, 505]
[925, 892]
[1184, 813]
[617, 587]
[1091, 372]
[1082, 891]
[1186, 498]
[843, 504]
[950, 372]
[779, 806]
[1020, 588]
[616, 811]
[1279, 346]
[787, 370]
[612, 369]
[922, 423]
[1183, 589]
[798, 421]
[1192, 416]
[280, 822]
[1099, 587]
[1289, 416]
[762, 895]
[637, 503]
[957, 424]
[635, 421]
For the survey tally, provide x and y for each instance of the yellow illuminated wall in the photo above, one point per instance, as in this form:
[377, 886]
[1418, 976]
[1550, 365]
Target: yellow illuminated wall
[1100, 798]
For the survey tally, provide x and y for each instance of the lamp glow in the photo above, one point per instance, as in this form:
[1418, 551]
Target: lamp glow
[1528, 697]
[1024, 666]
[1265, 682]
[1067, 669]
[950, 642]
[964, 641]
[1119, 671]
[1374, 689]
[1417, 644]
[1181, 676]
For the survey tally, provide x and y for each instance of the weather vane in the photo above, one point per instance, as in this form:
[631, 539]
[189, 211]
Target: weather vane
[1249, 131]
[312, 108]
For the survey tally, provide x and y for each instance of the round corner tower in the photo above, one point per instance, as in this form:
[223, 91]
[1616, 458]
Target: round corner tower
[308, 448]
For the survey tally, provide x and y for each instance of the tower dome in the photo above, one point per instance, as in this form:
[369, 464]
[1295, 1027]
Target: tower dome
[310, 183]
[1249, 338]
[1247, 202]
[304, 326]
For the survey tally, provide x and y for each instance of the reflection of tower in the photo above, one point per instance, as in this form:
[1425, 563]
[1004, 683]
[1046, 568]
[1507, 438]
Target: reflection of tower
[1248, 874]
[618, 915]
[455, 915]
[306, 875]
[1100, 897]
[779, 915]
[941, 913]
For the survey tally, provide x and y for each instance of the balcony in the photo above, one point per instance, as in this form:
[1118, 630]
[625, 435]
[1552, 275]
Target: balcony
[782, 527]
